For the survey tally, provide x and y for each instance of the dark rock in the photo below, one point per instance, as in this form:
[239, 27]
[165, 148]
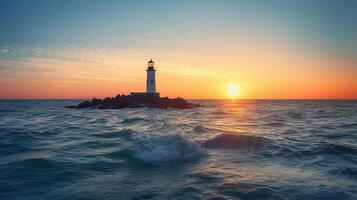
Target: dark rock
[104, 105]
[84, 104]
[96, 101]
[136, 101]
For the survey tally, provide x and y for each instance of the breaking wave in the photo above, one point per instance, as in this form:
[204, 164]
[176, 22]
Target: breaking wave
[171, 147]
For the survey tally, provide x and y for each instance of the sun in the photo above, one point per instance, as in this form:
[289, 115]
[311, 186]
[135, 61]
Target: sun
[232, 90]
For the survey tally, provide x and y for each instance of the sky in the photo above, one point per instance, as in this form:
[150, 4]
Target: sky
[277, 49]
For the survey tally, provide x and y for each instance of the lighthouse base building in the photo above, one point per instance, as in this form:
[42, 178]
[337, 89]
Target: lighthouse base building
[150, 82]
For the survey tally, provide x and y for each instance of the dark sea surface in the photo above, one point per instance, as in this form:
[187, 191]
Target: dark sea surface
[225, 150]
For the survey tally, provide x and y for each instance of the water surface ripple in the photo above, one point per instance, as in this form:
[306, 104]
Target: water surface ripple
[224, 150]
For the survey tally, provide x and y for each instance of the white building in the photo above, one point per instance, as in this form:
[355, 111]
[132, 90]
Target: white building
[150, 81]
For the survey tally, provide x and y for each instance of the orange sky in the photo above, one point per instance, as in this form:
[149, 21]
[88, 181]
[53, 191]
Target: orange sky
[267, 69]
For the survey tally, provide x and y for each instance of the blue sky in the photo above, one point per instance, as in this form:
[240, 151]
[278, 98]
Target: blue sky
[133, 24]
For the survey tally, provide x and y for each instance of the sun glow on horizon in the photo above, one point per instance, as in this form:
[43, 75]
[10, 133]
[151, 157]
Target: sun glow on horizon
[232, 90]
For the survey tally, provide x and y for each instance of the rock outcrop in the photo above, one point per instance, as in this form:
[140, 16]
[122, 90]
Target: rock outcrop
[135, 101]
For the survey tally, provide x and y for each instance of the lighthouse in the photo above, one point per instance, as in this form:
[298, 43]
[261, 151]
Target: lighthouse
[150, 82]
[150, 78]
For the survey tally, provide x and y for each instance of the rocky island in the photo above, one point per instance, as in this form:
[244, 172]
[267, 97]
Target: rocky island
[151, 98]
[136, 101]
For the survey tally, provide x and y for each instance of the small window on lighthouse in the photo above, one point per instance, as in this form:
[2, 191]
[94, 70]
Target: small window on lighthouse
[152, 81]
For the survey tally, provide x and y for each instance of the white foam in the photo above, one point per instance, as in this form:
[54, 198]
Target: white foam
[169, 146]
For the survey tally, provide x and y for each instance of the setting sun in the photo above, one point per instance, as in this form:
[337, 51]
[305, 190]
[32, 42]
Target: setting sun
[232, 90]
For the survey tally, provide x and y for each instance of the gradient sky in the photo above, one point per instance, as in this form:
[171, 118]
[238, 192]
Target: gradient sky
[269, 49]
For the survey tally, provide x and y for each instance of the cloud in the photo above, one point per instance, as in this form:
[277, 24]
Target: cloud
[4, 50]
[108, 59]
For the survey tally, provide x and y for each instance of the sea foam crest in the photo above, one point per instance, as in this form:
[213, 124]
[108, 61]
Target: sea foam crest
[164, 147]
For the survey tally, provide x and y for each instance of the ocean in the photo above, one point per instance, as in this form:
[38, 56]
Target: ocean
[242, 149]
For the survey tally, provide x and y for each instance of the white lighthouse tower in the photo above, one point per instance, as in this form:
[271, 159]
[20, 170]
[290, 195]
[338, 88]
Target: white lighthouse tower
[150, 80]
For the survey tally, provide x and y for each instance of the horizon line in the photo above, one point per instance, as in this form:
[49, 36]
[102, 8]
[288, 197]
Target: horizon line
[244, 99]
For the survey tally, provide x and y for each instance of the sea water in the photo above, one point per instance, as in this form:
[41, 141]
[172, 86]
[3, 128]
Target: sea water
[225, 150]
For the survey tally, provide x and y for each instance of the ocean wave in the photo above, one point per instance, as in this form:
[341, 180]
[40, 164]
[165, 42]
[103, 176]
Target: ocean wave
[308, 151]
[169, 147]
[201, 129]
[345, 171]
[132, 120]
[20, 136]
[274, 124]
[7, 111]
[349, 125]
[335, 149]
[295, 115]
[231, 141]
[124, 133]
[219, 112]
